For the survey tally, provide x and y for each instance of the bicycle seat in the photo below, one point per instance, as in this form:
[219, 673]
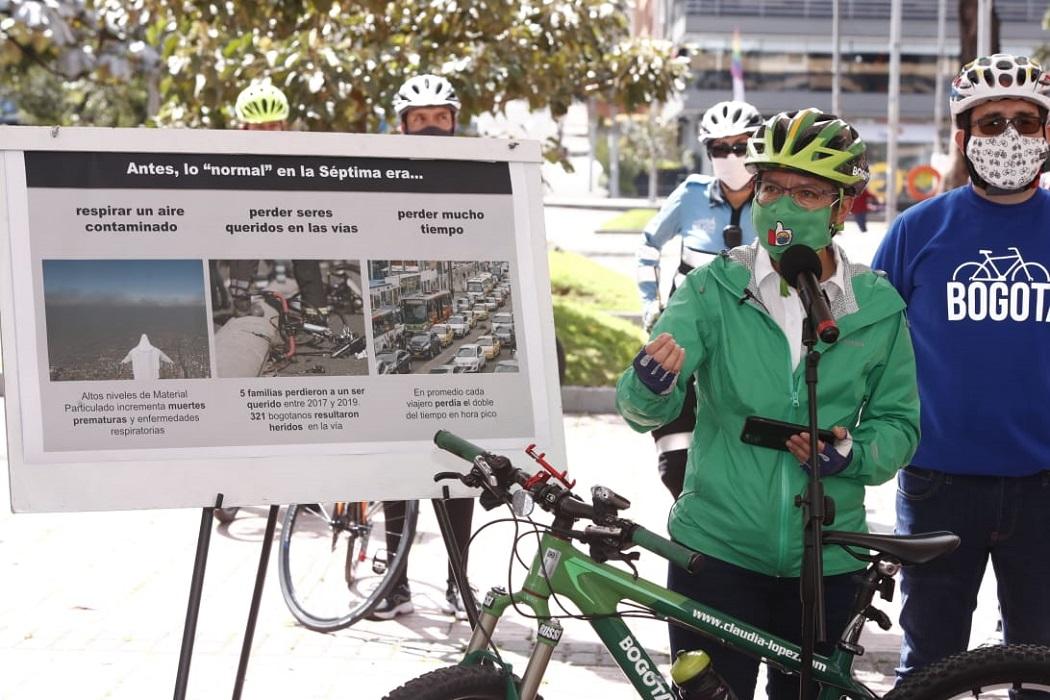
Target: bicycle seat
[908, 549]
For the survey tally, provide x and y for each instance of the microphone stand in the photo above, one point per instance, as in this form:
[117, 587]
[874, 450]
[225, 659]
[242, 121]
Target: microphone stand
[814, 509]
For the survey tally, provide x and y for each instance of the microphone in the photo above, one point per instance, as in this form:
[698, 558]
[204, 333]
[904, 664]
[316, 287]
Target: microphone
[801, 267]
[732, 235]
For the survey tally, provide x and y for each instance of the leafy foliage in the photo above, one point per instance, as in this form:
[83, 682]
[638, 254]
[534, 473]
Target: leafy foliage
[639, 142]
[581, 279]
[632, 220]
[598, 345]
[66, 63]
[340, 63]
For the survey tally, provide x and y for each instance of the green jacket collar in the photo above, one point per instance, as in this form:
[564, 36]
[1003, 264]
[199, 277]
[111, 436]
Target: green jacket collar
[867, 297]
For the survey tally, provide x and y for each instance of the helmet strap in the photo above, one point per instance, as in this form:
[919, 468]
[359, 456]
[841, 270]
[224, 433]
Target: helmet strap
[836, 206]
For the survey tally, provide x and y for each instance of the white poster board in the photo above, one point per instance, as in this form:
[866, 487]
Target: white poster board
[267, 315]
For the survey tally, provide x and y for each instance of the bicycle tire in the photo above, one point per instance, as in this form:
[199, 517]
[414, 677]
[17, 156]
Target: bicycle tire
[333, 565]
[978, 267]
[983, 672]
[1026, 268]
[456, 683]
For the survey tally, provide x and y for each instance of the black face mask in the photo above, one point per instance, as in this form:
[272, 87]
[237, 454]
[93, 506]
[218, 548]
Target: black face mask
[431, 131]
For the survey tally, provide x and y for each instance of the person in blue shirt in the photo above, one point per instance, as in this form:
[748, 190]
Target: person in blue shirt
[699, 212]
[972, 265]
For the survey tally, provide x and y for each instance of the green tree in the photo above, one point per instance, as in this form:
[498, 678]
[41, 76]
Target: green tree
[71, 63]
[340, 63]
[639, 143]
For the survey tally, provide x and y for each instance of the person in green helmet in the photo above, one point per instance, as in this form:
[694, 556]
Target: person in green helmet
[262, 106]
[735, 328]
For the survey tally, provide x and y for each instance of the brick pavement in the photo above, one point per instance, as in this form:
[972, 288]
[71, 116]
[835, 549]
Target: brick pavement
[93, 603]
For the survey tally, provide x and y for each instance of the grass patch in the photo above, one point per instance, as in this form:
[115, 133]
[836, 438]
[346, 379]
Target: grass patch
[598, 347]
[630, 220]
[578, 279]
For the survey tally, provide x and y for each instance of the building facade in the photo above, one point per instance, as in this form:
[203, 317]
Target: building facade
[787, 47]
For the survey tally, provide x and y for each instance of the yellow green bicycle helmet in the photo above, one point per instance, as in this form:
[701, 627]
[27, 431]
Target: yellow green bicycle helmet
[261, 103]
[810, 142]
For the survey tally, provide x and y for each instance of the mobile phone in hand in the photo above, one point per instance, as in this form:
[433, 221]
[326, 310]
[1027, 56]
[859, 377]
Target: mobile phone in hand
[774, 434]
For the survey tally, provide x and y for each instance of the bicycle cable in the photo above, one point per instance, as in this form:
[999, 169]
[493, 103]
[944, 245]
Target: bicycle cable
[567, 614]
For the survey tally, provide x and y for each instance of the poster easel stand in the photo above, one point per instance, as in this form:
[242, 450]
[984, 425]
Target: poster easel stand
[200, 562]
[458, 571]
[253, 611]
[189, 631]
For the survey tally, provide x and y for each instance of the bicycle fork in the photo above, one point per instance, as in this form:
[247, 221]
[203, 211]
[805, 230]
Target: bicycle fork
[548, 634]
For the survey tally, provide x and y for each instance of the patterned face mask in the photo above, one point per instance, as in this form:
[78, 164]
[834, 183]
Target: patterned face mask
[1008, 161]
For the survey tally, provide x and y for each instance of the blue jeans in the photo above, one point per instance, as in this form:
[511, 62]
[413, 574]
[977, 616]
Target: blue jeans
[862, 221]
[769, 603]
[1006, 519]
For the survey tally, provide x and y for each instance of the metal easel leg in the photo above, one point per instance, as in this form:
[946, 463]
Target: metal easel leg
[189, 631]
[253, 611]
[452, 546]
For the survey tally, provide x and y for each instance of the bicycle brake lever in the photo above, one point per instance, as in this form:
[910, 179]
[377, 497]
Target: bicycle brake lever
[448, 476]
[880, 618]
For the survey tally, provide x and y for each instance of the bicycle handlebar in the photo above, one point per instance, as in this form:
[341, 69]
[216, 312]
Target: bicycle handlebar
[562, 502]
[464, 449]
[673, 552]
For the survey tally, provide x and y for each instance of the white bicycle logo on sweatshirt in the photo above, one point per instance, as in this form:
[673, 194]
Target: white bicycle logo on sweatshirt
[994, 268]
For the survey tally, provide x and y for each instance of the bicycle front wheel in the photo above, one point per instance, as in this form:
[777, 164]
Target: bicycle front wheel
[986, 672]
[456, 683]
[335, 564]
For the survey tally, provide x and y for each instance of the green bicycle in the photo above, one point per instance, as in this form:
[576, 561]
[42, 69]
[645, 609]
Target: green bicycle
[596, 588]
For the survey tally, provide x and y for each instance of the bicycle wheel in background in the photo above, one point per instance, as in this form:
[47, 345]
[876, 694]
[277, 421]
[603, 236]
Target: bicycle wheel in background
[985, 672]
[334, 566]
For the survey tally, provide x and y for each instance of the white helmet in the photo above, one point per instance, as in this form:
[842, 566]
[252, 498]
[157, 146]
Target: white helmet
[997, 77]
[425, 90]
[729, 119]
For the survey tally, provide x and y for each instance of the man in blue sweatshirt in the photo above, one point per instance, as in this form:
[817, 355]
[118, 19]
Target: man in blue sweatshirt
[972, 265]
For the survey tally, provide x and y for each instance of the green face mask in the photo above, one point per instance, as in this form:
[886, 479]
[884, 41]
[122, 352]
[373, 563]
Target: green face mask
[784, 223]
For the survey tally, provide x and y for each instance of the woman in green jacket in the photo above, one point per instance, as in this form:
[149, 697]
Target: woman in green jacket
[736, 328]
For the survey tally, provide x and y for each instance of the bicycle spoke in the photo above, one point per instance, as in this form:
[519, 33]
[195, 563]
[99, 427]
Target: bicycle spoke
[329, 574]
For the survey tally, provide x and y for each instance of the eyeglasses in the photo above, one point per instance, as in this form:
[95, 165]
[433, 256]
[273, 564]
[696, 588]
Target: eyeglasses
[1027, 124]
[805, 196]
[722, 150]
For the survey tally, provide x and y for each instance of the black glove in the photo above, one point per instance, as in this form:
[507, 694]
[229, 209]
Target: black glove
[656, 379]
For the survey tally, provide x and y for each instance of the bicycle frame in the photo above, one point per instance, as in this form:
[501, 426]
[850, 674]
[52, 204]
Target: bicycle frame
[596, 589]
[990, 260]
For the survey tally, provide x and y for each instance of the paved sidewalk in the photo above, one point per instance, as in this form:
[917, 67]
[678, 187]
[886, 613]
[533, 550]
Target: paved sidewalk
[94, 603]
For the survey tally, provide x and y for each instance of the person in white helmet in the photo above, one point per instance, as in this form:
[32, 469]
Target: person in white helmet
[709, 214]
[973, 265]
[426, 105]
